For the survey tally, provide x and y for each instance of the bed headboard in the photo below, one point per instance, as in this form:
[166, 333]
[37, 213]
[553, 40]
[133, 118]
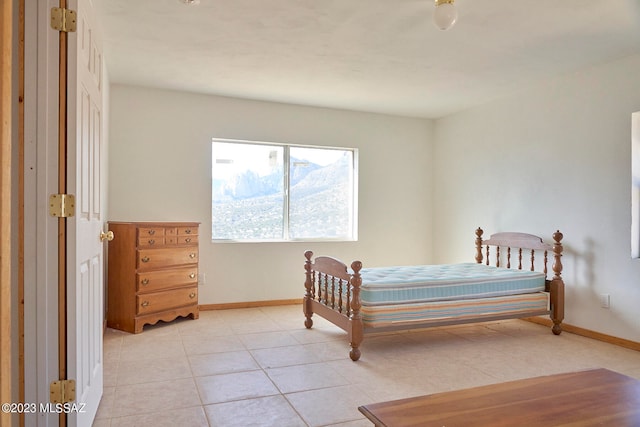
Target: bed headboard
[519, 243]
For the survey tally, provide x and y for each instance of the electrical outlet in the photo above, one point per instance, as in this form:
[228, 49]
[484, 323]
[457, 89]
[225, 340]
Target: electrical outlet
[201, 278]
[605, 300]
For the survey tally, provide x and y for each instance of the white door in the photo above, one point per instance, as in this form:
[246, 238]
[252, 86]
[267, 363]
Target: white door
[85, 262]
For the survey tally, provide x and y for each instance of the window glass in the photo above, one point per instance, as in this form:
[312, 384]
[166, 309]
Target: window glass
[247, 191]
[275, 192]
[321, 193]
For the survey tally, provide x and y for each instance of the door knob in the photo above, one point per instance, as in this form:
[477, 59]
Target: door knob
[108, 236]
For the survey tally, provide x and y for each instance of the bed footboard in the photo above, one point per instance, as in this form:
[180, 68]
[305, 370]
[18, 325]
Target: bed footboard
[518, 242]
[334, 294]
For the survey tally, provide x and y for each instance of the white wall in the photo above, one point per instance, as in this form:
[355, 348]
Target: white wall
[160, 169]
[555, 157]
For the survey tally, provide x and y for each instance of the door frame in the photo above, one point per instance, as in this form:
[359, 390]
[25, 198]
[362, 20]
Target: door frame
[6, 196]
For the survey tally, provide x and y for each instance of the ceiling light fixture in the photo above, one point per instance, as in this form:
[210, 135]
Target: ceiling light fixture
[445, 14]
[190, 2]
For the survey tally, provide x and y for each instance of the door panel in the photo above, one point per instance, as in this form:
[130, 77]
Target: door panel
[85, 289]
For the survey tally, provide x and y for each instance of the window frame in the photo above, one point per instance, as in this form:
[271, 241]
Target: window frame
[286, 183]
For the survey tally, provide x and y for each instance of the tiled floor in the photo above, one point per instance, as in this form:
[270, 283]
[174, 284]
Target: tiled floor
[261, 367]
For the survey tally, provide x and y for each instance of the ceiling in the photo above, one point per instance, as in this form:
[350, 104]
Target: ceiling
[382, 56]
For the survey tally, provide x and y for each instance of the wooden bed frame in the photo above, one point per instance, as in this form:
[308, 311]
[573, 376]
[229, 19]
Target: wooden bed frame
[328, 302]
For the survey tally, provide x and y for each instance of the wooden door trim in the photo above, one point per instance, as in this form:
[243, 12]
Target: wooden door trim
[21, 201]
[6, 352]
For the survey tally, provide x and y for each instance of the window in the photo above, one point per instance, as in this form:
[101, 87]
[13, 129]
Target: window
[282, 192]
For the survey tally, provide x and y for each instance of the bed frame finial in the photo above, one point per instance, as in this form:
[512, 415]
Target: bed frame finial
[479, 233]
[557, 254]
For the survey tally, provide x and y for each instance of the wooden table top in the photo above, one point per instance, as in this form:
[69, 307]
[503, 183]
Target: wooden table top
[597, 397]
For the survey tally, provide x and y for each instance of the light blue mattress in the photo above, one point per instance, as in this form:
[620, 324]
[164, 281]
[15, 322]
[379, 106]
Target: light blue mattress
[427, 283]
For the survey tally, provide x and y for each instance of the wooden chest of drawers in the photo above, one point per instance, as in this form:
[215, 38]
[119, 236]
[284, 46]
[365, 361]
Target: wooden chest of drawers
[152, 273]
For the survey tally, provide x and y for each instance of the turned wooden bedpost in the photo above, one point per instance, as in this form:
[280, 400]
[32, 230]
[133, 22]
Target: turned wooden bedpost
[557, 285]
[479, 233]
[308, 283]
[357, 327]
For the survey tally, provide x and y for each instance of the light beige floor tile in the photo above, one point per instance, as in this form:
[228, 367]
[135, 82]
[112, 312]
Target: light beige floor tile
[241, 315]
[478, 333]
[192, 417]
[314, 335]
[255, 326]
[206, 344]
[271, 411]
[291, 379]
[101, 423]
[112, 344]
[339, 404]
[110, 372]
[268, 340]
[147, 347]
[149, 398]
[236, 386]
[284, 356]
[448, 375]
[106, 403]
[287, 317]
[282, 311]
[399, 385]
[222, 363]
[146, 371]
[211, 326]
[160, 329]
[434, 337]
[330, 350]
[517, 328]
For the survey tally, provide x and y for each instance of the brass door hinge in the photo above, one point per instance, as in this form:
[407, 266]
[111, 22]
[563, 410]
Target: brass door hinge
[62, 391]
[63, 19]
[62, 205]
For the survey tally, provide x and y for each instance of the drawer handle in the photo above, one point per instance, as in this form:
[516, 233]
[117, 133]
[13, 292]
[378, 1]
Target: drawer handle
[192, 255]
[145, 259]
[188, 240]
[187, 231]
[145, 282]
[192, 295]
[192, 276]
[145, 303]
[152, 241]
[152, 232]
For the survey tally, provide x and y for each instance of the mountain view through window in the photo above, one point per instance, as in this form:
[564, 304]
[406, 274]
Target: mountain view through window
[267, 192]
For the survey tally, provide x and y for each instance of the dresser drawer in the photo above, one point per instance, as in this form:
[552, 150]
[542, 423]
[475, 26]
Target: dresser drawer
[150, 241]
[163, 279]
[149, 259]
[187, 240]
[144, 232]
[187, 231]
[159, 301]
